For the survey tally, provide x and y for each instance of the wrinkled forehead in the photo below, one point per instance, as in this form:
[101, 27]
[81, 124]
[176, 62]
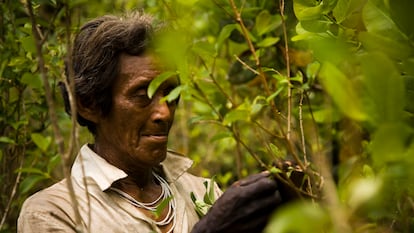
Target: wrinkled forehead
[146, 65]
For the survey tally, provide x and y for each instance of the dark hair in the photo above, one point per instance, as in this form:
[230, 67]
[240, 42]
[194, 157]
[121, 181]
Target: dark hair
[95, 57]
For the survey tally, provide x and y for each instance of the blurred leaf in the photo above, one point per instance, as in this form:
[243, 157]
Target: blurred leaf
[342, 91]
[268, 41]
[221, 135]
[308, 9]
[29, 182]
[236, 115]
[316, 25]
[389, 143]
[340, 11]
[53, 161]
[28, 44]
[225, 33]
[409, 93]
[203, 49]
[377, 20]
[33, 81]
[265, 22]
[312, 219]
[363, 190]
[41, 141]
[7, 140]
[385, 88]
[157, 81]
[391, 47]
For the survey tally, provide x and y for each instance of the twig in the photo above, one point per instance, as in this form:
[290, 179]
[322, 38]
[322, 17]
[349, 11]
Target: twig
[13, 193]
[302, 133]
[245, 65]
[52, 114]
[289, 97]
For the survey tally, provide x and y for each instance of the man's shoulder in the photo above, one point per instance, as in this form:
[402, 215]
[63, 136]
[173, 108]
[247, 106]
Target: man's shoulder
[54, 195]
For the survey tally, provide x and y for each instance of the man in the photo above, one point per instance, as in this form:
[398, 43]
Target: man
[126, 175]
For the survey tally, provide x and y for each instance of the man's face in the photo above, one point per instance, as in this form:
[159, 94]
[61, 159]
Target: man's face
[136, 130]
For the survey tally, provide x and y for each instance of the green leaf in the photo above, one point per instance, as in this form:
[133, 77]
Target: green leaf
[33, 81]
[389, 143]
[157, 81]
[29, 182]
[203, 49]
[317, 25]
[41, 141]
[55, 160]
[308, 9]
[385, 88]
[313, 218]
[236, 115]
[378, 21]
[174, 94]
[265, 22]
[221, 135]
[162, 206]
[388, 45]
[342, 91]
[409, 93]
[32, 170]
[268, 41]
[225, 33]
[340, 11]
[7, 140]
[28, 44]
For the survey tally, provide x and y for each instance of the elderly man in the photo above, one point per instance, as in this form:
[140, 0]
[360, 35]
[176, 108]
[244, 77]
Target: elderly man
[122, 178]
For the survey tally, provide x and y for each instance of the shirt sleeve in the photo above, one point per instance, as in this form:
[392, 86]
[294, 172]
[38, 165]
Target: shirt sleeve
[42, 221]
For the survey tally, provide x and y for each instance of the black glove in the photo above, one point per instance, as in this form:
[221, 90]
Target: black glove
[246, 206]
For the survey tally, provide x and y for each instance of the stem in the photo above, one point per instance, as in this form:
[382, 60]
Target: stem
[289, 97]
[52, 114]
[302, 133]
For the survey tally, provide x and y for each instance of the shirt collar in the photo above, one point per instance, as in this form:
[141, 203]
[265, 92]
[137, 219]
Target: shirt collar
[88, 164]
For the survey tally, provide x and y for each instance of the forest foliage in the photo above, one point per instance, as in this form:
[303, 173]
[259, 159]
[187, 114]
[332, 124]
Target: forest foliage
[327, 84]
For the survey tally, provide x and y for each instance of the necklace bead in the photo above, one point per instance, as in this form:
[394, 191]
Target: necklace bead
[165, 195]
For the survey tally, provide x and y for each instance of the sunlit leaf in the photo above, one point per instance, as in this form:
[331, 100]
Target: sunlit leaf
[41, 141]
[157, 81]
[313, 218]
[308, 9]
[34, 81]
[265, 22]
[268, 41]
[7, 140]
[28, 44]
[340, 11]
[225, 33]
[342, 91]
[236, 115]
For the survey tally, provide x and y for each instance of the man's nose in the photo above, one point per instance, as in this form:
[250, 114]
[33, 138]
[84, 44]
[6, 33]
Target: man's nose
[161, 110]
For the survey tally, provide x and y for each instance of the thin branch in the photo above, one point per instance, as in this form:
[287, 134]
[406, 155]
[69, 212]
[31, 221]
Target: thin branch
[289, 97]
[302, 133]
[52, 114]
[245, 65]
[14, 190]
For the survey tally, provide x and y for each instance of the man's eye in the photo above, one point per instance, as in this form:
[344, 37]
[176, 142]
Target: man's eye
[141, 95]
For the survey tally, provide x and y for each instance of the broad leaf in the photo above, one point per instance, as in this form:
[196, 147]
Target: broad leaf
[157, 81]
[342, 91]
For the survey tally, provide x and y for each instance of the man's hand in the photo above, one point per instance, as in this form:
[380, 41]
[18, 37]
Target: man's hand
[245, 207]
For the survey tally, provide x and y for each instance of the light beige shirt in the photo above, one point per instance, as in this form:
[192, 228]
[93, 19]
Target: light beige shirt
[102, 210]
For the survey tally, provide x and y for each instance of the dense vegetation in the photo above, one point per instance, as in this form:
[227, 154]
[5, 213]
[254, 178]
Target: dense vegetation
[328, 84]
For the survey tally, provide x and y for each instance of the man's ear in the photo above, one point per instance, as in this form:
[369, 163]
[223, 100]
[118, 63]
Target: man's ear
[88, 112]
